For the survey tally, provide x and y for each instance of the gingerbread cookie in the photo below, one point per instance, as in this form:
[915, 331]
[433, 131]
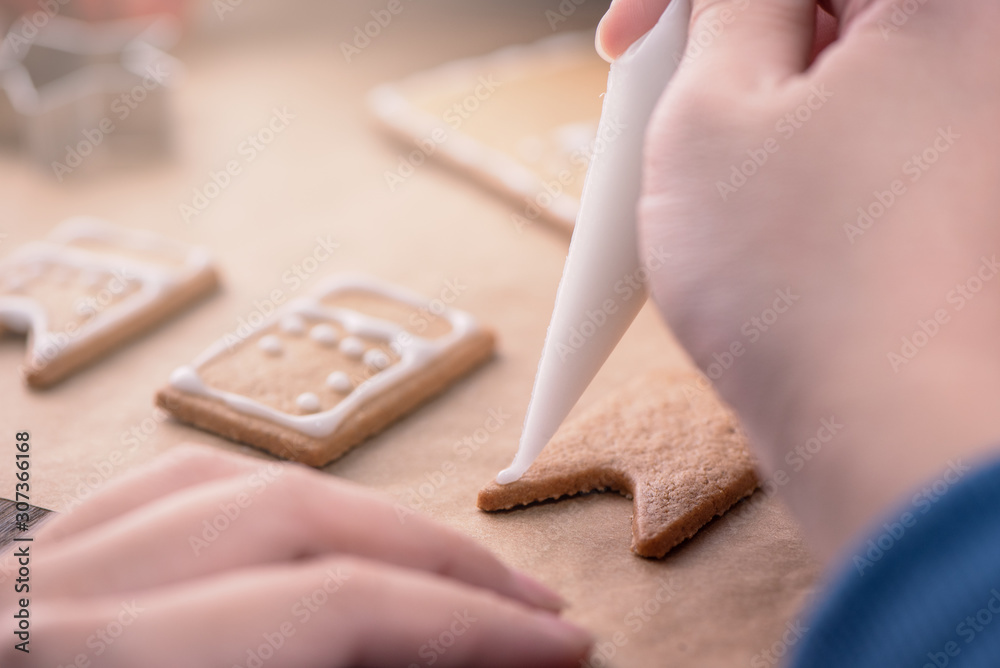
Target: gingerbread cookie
[522, 120]
[90, 287]
[680, 456]
[327, 371]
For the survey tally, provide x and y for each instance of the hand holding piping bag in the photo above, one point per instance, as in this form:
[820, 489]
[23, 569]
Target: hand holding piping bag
[818, 209]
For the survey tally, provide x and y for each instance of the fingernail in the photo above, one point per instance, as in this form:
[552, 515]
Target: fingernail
[597, 42]
[536, 593]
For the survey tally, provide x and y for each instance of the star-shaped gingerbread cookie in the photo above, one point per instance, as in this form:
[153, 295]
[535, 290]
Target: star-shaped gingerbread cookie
[665, 439]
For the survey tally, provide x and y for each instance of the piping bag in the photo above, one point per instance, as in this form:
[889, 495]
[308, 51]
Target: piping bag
[601, 290]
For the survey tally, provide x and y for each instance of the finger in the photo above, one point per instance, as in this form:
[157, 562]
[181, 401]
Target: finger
[184, 466]
[625, 22]
[746, 43]
[317, 614]
[259, 519]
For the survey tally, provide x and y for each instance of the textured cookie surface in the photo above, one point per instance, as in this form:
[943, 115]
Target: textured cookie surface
[674, 447]
[522, 120]
[328, 370]
[91, 286]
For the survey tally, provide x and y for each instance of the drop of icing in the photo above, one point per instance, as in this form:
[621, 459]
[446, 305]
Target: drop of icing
[186, 379]
[293, 324]
[324, 334]
[308, 402]
[352, 347]
[376, 359]
[338, 381]
[270, 344]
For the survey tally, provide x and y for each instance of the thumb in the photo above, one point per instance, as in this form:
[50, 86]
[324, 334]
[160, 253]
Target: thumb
[758, 37]
[625, 22]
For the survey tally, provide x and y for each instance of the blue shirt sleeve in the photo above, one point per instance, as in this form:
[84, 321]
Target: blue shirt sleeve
[923, 591]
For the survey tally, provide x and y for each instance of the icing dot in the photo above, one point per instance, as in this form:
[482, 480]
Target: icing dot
[338, 381]
[324, 334]
[293, 324]
[308, 402]
[186, 379]
[270, 344]
[376, 359]
[352, 347]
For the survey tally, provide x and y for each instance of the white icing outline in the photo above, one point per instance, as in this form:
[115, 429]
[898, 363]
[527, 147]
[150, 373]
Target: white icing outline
[415, 355]
[391, 105]
[29, 316]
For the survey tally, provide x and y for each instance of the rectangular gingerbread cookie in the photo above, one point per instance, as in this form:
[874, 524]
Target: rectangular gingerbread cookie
[327, 371]
[521, 120]
[91, 286]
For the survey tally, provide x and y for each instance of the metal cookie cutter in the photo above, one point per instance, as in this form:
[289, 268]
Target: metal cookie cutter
[77, 94]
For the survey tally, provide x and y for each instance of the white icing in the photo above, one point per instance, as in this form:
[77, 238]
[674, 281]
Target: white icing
[338, 381]
[353, 347]
[392, 104]
[415, 353]
[271, 345]
[308, 402]
[20, 320]
[376, 359]
[186, 379]
[324, 334]
[293, 324]
[152, 280]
